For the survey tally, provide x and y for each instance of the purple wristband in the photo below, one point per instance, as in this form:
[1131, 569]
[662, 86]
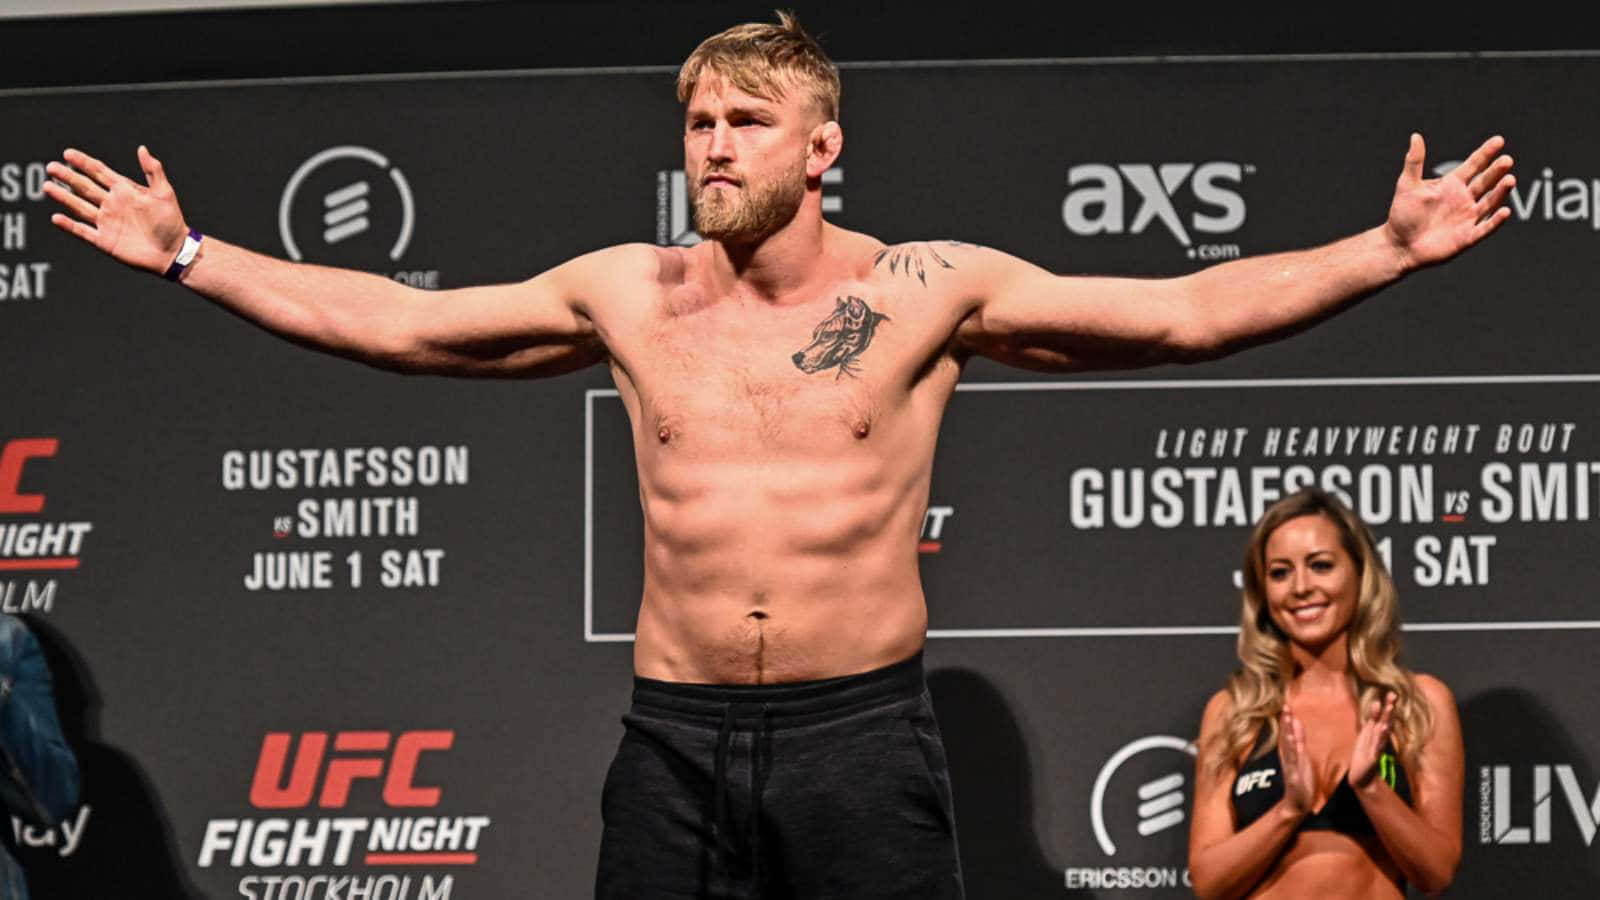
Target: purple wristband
[186, 254]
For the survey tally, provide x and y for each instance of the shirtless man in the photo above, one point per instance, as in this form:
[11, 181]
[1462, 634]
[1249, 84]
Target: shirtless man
[785, 380]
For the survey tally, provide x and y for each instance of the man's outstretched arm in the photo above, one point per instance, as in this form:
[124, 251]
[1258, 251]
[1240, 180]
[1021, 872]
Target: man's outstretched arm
[1025, 316]
[542, 326]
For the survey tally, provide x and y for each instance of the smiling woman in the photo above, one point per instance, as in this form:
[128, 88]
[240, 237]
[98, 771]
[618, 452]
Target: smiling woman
[1326, 768]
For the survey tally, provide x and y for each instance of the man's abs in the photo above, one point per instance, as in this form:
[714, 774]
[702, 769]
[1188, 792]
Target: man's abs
[774, 640]
[759, 574]
[784, 453]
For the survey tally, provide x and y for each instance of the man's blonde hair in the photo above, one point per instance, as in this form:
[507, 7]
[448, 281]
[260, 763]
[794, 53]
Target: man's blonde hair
[766, 60]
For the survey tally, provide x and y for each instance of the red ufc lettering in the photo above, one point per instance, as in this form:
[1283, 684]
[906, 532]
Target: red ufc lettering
[12, 458]
[265, 792]
[344, 769]
[398, 789]
[367, 757]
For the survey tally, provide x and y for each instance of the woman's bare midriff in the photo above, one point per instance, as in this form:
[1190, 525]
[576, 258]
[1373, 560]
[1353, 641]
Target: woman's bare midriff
[1331, 865]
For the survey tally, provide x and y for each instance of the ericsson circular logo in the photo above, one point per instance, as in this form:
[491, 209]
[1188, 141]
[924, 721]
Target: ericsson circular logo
[1142, 789]
[346, 206]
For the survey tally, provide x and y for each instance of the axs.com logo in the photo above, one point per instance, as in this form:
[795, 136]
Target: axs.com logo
[1188, 199]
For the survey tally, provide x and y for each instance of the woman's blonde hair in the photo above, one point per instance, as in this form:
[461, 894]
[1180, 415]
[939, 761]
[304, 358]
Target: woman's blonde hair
[1257, 689]
[766, 60]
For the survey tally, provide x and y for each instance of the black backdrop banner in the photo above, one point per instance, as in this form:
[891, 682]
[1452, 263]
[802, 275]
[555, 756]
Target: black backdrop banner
[322, 631]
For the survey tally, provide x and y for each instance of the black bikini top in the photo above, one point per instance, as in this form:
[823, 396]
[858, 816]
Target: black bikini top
[1260, 786]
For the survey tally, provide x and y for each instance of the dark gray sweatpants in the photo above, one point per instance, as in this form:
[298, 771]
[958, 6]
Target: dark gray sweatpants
[835, 789]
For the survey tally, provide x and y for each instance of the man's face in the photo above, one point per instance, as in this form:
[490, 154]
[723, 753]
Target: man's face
[745, 157]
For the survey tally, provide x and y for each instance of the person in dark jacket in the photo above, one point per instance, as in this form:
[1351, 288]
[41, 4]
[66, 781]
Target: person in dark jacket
[38, 772]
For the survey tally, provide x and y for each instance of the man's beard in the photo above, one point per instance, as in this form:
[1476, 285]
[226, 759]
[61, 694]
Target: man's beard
[748, 213]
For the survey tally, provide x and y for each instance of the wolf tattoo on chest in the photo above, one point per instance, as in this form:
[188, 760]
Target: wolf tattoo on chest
[840, 338]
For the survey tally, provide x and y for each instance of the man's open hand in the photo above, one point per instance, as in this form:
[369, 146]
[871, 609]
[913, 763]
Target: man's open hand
[139, 224]
[1433, 219]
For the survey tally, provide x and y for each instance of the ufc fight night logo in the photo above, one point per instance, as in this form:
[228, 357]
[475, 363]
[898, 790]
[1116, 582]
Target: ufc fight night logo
[370, 757]
[934, 521]
[31, 546]
[322, 776]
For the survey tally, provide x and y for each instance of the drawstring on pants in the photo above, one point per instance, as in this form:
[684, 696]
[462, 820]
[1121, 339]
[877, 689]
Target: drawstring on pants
[722, 820]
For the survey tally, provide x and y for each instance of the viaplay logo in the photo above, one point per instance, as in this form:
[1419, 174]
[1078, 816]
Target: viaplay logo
[1188, 199]
[1547, 198]
[674, 226]
[1515, 804]
[64, 838]
[297, 773]
[30, 543]
[1135, 810]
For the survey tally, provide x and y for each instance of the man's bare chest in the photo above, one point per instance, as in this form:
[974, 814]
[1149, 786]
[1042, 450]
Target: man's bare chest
[807, 374]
